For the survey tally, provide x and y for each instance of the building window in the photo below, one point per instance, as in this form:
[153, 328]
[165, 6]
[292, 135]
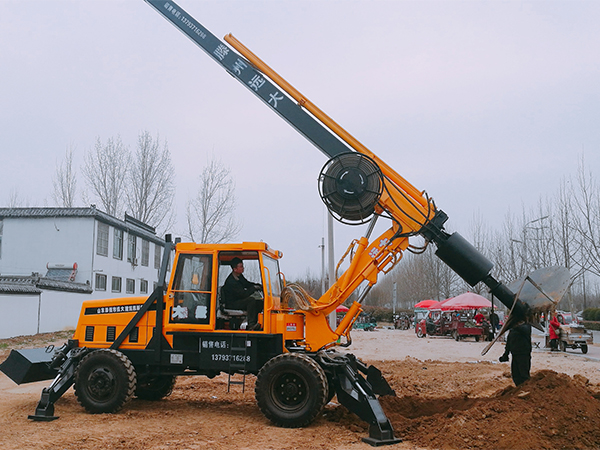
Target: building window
[143, 286]
[130, 286]
[102, 242]
[118, 244]
[100, 282]
[131, 249]
[116, 284]
[145, 252]
[157, 253]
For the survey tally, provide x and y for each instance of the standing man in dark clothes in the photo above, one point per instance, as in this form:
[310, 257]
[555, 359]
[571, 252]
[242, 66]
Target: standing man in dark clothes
[518, 344]
[237, 293]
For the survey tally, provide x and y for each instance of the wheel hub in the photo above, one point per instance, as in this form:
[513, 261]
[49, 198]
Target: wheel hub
[101, 383]
[290, 390]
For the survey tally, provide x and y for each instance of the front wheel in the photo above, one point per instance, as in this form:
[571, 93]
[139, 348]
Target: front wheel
[420, 333]
[291, 390]
[104, 381]
[584, 348]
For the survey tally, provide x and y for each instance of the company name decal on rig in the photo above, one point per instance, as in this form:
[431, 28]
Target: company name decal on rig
[113, 309]
[290, 327]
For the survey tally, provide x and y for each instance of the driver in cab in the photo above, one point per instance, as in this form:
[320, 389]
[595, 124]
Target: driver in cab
[239, 293]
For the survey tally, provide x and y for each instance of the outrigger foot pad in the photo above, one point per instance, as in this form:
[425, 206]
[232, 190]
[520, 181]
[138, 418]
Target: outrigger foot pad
[379, 442]
[44, 412]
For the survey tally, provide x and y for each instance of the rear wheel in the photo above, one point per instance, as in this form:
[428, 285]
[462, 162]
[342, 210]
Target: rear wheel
[154, 387]
[476, 338]
[104, 381]
[584, 348]
[291, 390]
[420, 333]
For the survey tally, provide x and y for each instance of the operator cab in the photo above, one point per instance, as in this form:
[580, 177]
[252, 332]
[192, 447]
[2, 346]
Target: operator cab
[200, 270]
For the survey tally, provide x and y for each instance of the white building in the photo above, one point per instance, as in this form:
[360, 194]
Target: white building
[52, 259]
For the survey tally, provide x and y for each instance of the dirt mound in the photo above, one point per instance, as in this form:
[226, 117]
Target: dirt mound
[549, 411]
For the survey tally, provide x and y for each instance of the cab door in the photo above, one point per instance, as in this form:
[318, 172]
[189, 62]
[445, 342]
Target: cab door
[191, 293]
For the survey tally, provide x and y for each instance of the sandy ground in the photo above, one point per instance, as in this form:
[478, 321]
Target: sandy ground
[448, 396]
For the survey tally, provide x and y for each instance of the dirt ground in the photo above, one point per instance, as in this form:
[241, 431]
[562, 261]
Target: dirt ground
[448, 396]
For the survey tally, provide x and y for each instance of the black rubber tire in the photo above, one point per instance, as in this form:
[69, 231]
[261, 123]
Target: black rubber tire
[420, 333]
[104, 381]
[291, 390]
[476, 338]
[584, 348]
[154, 387]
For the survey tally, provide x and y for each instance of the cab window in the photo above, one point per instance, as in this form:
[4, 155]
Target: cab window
[192, 289]
[273, 276]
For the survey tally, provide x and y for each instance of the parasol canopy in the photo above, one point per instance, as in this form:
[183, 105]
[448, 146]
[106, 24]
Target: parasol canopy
[425, 303]
[468, 300]
[341, 308]
[439, 305]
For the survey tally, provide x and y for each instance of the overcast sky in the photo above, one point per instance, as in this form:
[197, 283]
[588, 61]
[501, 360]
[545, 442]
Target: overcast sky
[485, 105]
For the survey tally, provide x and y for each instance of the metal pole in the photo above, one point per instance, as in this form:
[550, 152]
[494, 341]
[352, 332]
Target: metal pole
[394, 301]
[331, 258]
[323, 285]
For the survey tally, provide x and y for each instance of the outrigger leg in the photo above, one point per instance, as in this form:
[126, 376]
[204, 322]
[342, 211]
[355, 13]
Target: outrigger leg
[359, 395]
[65, 359]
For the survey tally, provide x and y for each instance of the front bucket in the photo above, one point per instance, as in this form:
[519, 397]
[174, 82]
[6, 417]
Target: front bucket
[29, 365]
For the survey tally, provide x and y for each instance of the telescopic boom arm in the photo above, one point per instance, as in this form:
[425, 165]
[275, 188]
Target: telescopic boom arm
[355, 184]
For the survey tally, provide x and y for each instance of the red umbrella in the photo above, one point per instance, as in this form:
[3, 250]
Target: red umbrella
[468, 300]
[425, 303]
[341, 308]
[438, 305]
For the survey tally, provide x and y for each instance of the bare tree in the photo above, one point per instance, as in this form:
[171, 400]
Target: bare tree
[105, 171]
[587, 203]
[150, 187]
[15, 200]
[210, 214]
[64, 181]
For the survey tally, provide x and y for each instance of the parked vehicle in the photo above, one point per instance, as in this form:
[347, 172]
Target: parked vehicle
[463, 326]
[402, 321]
[436, 323]
[573, 334]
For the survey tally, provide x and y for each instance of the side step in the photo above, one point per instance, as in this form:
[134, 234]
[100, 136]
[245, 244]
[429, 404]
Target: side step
[359, 395]
[237, 361]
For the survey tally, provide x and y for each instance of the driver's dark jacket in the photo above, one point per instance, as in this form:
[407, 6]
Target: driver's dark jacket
[234, 290]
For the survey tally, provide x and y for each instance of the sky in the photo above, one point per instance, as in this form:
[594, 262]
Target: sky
[486, 105]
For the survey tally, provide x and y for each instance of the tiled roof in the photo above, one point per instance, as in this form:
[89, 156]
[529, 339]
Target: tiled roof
[33, 284]
[141, 230]
[16, 288]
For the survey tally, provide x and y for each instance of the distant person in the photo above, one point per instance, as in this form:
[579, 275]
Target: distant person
[554, 333]
[518, 344]
[479, 318]
[495, 321]
[239, 293]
